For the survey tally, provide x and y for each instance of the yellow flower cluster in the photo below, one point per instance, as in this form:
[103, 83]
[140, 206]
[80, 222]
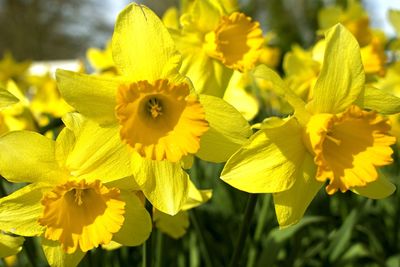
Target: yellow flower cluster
[129, 133]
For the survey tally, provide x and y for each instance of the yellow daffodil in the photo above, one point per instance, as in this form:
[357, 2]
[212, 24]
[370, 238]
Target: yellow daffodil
[176, 225]
[10, 245]
[101, 60]
[17, 116]
[302, 67]
[78, 197]
[333, 138]
[154, 109]
[214, 41]
[237, 95]
[11, 69]
[46, 98]
[391, 85]
[354, 18]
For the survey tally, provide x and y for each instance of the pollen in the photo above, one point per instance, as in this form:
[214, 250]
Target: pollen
[82, 215]
[236, 42]
[160, 120]
[348, 147]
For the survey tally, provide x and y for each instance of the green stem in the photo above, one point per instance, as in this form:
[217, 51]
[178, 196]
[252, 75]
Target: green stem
[200, 234]
[159, 249]
[147, 246]
[29, 248]
[261, 223]
[52, 125]
[244, 230]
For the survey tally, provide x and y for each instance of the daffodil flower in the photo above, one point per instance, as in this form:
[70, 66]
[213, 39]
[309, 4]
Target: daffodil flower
[154, 110]
[101, 60]
[176, 225]
[214, 41]
[78, 197]
[11, 69]
[337, 137]
[10, 244]
[353, 17]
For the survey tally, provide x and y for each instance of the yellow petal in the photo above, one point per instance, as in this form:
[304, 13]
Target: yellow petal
[165, 184]
[111, 246]
[342, 76]
[196, 197]
[20, 211]
[10, 245]
[236, 95]
[28, 157]
[6, 98]
[379, 100]
[93, 96]
[56, 257]
[203, 16]
[142, 47]
[378, 189]
[174, 226]
[208, 75]
[137, 225]
[283, 90]
[290, 205]
[228, 130]
[270, 162]
[98, 152]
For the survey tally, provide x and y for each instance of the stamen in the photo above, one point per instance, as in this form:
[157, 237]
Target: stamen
[154, 107]
[333, 139]
[78, 196]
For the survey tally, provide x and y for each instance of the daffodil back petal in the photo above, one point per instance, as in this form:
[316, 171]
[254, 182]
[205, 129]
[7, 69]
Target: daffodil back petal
[379, 100]
[93, 96]
[291, 204]
[378, 189]
[269, 162]
[57, 257]
[164, 183]
[10, 245]
[342, 77]
[174, 226]
[142, 47]
[137, 225]
[97, 153]
[6, 98]
[228, 130]
[20, 211]
[28, 157]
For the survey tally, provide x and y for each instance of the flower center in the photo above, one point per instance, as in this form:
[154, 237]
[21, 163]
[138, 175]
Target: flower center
[348, 147]
[160, 120]
[81, 214]
[236, 41]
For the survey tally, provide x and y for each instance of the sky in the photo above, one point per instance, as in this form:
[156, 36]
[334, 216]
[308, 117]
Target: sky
[378, 13]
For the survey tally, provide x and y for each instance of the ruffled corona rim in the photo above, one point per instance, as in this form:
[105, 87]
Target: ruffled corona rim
[348, 147]
[161, 121]
[82, 215]
[236, 41]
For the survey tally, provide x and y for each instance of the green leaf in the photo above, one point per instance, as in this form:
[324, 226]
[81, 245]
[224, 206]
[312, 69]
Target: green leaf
[277, 238]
